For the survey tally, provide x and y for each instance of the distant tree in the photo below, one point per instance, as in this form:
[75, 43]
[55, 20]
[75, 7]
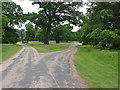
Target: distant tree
[73, 36]
[40, 35]
[58, 33]
[29, 32]
[62, 32]
[67, 32]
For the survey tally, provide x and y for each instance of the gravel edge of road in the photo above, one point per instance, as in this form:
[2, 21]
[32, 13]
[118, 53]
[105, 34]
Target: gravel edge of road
[75, 74]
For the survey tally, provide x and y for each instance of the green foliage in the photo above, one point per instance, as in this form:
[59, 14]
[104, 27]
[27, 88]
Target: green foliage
[4, 20]
[94, 37]
[40, 35]
[58, 33]
[62, 32]
[30, 33]
[4, 23]
[109, 39]
[68, 32]
[73, 36]
[11, 15]
[102, 26]
[14, 12]
[52, 12]
[10, 35]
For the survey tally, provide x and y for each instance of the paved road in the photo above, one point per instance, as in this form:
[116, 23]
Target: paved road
[30, 69]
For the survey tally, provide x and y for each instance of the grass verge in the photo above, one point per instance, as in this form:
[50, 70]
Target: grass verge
[9, 49]
[99, 68]
[0, 53]
[52, 47]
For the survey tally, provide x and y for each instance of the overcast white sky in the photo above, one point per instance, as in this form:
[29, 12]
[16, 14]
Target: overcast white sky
[27, 6]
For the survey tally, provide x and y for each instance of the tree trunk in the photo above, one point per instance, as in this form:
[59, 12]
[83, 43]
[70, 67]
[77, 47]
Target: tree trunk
[27, 40]
[57, 41]
[22, 37]
[47, 37]
[67, 41]
[28, 37]
[39, 40]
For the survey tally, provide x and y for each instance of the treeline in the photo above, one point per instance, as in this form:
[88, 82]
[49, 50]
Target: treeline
[60, 33]
[48, 21]
[101, 26]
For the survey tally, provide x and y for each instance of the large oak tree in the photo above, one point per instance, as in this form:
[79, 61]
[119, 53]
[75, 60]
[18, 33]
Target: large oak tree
[52, 12]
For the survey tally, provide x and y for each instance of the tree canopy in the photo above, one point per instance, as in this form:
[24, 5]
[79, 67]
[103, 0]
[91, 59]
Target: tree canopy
[13, 12]
[11, 15]
[102, 26]
[52, 12]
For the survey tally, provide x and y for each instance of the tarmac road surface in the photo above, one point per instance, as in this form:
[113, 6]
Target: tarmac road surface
[30, 69]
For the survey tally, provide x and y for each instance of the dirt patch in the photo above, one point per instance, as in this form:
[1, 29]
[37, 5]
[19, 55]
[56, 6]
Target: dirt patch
[74, 73]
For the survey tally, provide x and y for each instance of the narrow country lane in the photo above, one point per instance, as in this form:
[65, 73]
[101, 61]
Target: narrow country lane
[30, 69]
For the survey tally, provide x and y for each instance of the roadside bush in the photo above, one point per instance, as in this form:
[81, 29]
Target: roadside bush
[94, 36]
[104, 39]
[108, 39]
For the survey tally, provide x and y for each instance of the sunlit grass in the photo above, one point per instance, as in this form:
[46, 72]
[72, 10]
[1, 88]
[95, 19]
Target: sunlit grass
[52, 47]
[49, 48]
[99, 68]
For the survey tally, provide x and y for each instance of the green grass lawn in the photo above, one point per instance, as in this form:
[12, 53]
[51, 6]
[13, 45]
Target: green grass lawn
[99, 68]
[9, 49]
[0, 52]
[52, 47]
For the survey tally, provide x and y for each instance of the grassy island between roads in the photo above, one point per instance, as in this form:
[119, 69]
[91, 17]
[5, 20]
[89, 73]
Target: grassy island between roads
[52, 47]
[99, 68]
